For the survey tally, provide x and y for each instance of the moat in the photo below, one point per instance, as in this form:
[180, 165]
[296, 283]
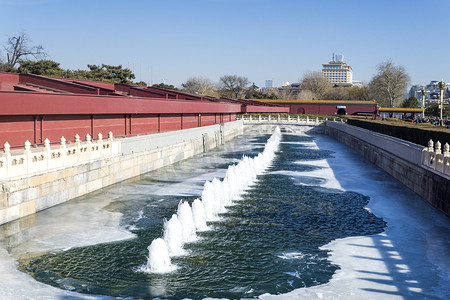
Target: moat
[274, 240]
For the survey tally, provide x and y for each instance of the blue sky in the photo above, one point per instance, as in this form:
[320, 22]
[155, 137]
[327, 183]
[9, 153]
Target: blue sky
[173, 40]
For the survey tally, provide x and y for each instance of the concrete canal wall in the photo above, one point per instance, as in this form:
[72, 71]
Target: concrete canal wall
[407, 162]
[26, 194]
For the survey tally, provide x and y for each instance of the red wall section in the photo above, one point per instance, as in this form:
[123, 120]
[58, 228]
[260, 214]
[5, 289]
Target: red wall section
[8, 81]
[208, 119]
[190, 121]
[105, 123]
[142, 124]
[57, 84]
[56, 126]
[170, 122]
[49, 107]
[16, 130]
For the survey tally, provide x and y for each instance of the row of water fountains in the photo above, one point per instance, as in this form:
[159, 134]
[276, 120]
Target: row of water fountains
[217, 194]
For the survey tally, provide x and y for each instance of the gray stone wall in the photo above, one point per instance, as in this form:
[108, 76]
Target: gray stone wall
[25, 196]
[399, 158]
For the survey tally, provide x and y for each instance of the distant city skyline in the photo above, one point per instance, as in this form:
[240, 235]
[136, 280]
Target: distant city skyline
[170, 41]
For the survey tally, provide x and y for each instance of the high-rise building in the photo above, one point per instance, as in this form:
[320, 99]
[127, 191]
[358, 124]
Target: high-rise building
[269, 84]
[337, 72]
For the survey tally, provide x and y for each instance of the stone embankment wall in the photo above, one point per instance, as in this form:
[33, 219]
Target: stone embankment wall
[403, 160]
[26, 195]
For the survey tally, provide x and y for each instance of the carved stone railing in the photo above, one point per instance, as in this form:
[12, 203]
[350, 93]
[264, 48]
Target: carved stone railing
[21, 163]
[434, 158]
[283, 119]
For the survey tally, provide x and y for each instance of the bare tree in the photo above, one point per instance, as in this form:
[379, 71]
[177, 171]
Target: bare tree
[286, 93]
[314, 82]
[18, 49]
[338, 93]
[305, 95]
[232, 85]
[359, 93]
[389, 86]
[199, 86]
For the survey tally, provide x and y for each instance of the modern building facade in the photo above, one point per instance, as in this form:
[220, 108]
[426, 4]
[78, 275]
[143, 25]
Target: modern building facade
[337, 72]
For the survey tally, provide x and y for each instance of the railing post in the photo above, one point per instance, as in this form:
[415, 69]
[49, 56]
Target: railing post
[269, 119]
[259, 118]
[317, 120]
[307, 120]
[7, 151]
[27, 152]
[446, 160]
[62, 146]
[47, 151]
[100, 143]
[438, 147]
[111, 143]
[77, 147]
[430, 146]
[446, 150]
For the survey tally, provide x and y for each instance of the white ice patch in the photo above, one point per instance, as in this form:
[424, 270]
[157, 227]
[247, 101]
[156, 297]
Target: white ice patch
[323, 176]
[291, 255]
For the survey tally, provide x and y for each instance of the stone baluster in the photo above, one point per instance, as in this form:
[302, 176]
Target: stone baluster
[7, 151]
[430, 146]
[259, 118]
[298, 119]
[89, 145]
[88, 140]
[100, 144]
[77, 146]
[62, 146]
[111, 143]
[268, 118]
[307, 119]
[446, 150]
[47, 151]
[27, 152]
[438, 147]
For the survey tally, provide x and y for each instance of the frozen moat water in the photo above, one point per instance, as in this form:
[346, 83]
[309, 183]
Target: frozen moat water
[275, 240]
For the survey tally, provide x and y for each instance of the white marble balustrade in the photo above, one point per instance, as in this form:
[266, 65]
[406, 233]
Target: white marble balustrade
[436, 158]
[284, 119]
[29, 161]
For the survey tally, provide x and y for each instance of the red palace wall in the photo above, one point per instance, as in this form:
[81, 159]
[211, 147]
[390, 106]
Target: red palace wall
[36, 116]
[36, 107]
